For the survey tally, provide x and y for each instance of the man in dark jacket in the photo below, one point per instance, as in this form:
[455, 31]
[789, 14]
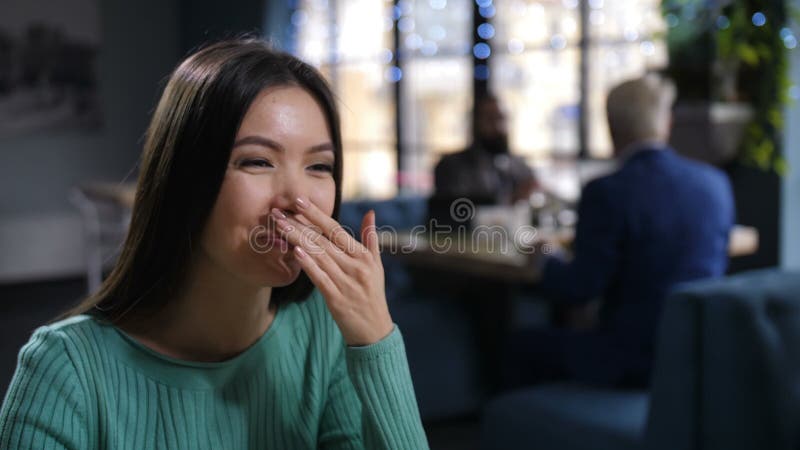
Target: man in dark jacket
[659, 220]
[486, 172]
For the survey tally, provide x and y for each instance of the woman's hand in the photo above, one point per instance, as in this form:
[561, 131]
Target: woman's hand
[349, 274]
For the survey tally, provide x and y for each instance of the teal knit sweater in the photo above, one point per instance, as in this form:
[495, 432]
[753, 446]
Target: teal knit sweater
[81, 384]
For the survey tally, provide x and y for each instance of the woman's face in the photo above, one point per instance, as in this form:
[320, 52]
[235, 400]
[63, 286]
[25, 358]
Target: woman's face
[283, 150]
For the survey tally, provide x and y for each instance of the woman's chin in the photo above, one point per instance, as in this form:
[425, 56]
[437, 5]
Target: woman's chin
[283, 275]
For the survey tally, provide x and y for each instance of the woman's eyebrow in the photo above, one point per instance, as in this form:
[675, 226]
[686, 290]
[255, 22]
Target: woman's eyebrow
[326, 147]
[259, 140]
[267, 142]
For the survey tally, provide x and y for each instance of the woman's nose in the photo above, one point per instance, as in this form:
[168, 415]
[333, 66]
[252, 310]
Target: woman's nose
[286, 191]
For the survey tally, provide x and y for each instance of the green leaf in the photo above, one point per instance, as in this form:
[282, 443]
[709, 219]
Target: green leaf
[748, 54]
[781, 166]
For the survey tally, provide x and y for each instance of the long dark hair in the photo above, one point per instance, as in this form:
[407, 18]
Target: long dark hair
[185, 156]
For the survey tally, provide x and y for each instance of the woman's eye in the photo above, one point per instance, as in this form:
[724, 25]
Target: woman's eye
[255, 163]
[322, 168]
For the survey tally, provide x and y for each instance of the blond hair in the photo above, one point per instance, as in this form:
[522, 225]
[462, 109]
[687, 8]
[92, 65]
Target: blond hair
[640, 110]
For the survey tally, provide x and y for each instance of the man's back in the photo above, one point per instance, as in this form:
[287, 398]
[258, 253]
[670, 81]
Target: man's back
[658, 221]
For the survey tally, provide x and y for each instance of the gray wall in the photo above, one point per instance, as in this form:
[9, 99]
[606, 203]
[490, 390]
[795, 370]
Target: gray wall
[203, 20]
[139, 47]
[40, 232]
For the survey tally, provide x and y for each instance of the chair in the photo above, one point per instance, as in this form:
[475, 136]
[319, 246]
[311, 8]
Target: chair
[726, 376]
[105, 210]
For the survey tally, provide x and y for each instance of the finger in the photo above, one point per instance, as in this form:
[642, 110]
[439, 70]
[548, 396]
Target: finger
[298, 233]
[315, 273]
[329, 257]
[331, 229]
[369, 233]
[296, 228]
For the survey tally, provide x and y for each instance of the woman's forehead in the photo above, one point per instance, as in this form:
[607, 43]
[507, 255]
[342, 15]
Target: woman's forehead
[285, 113]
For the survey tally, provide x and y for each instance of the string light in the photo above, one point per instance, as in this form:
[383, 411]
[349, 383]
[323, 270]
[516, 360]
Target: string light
[673, 20]
[789, 39]
[481, 50]
[487, 12]
[486, 31]
[759, 19]
[393, 74]
[406, 24]
[558, 42]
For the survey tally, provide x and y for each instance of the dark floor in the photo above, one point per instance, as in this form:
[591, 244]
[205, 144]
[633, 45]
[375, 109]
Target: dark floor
[23, 307]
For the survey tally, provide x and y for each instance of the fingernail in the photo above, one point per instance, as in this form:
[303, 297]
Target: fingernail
[284, 225]
[301, 203]
[300, 252]
[278, 213]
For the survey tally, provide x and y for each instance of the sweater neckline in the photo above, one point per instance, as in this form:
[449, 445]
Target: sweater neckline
[196, 375]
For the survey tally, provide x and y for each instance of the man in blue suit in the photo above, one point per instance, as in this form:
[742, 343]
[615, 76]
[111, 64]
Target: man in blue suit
[659, 220]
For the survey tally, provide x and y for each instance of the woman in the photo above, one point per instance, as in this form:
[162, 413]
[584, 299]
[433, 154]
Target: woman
[208, 332]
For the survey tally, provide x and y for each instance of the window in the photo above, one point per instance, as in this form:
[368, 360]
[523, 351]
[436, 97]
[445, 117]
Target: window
[413, 60]
[535, 72]
[351, 44]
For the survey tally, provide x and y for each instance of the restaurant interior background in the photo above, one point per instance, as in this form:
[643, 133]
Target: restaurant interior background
[405, 72]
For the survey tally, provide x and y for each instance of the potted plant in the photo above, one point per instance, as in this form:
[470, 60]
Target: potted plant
[729, 62]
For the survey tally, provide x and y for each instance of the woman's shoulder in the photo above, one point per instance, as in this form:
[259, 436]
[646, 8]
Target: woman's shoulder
[49, 355]
[66, 338]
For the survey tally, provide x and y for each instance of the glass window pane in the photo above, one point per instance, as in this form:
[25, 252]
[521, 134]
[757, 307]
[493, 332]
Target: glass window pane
[369, 171]
[435, 41]
[632, 21]
[364, 30]
[367, 115]
[437, 97]
[540, 89]
[535, 70]
[526, 24]
[435, 27]
[627, 40]
[351, 44]
[314, 22]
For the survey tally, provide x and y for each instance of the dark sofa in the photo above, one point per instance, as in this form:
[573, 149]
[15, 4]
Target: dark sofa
[727, 376]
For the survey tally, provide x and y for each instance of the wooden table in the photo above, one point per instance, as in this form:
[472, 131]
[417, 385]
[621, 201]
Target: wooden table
[504, 262]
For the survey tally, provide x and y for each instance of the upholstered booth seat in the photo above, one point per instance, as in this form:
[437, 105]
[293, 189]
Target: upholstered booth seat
[595, 418]
[726, 376]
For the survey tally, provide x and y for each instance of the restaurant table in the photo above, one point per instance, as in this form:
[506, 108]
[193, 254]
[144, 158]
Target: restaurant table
[503, 261]
[477, 269]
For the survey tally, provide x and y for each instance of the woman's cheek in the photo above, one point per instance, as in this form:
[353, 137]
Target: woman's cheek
[324, 196]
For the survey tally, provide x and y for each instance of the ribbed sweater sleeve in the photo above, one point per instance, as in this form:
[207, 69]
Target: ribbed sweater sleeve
[376, 384]
[44, 406]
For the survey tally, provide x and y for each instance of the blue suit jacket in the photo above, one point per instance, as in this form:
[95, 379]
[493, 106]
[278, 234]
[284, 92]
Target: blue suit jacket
[658, 221]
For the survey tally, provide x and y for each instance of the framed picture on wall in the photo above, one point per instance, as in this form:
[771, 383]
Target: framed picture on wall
[48, 66]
